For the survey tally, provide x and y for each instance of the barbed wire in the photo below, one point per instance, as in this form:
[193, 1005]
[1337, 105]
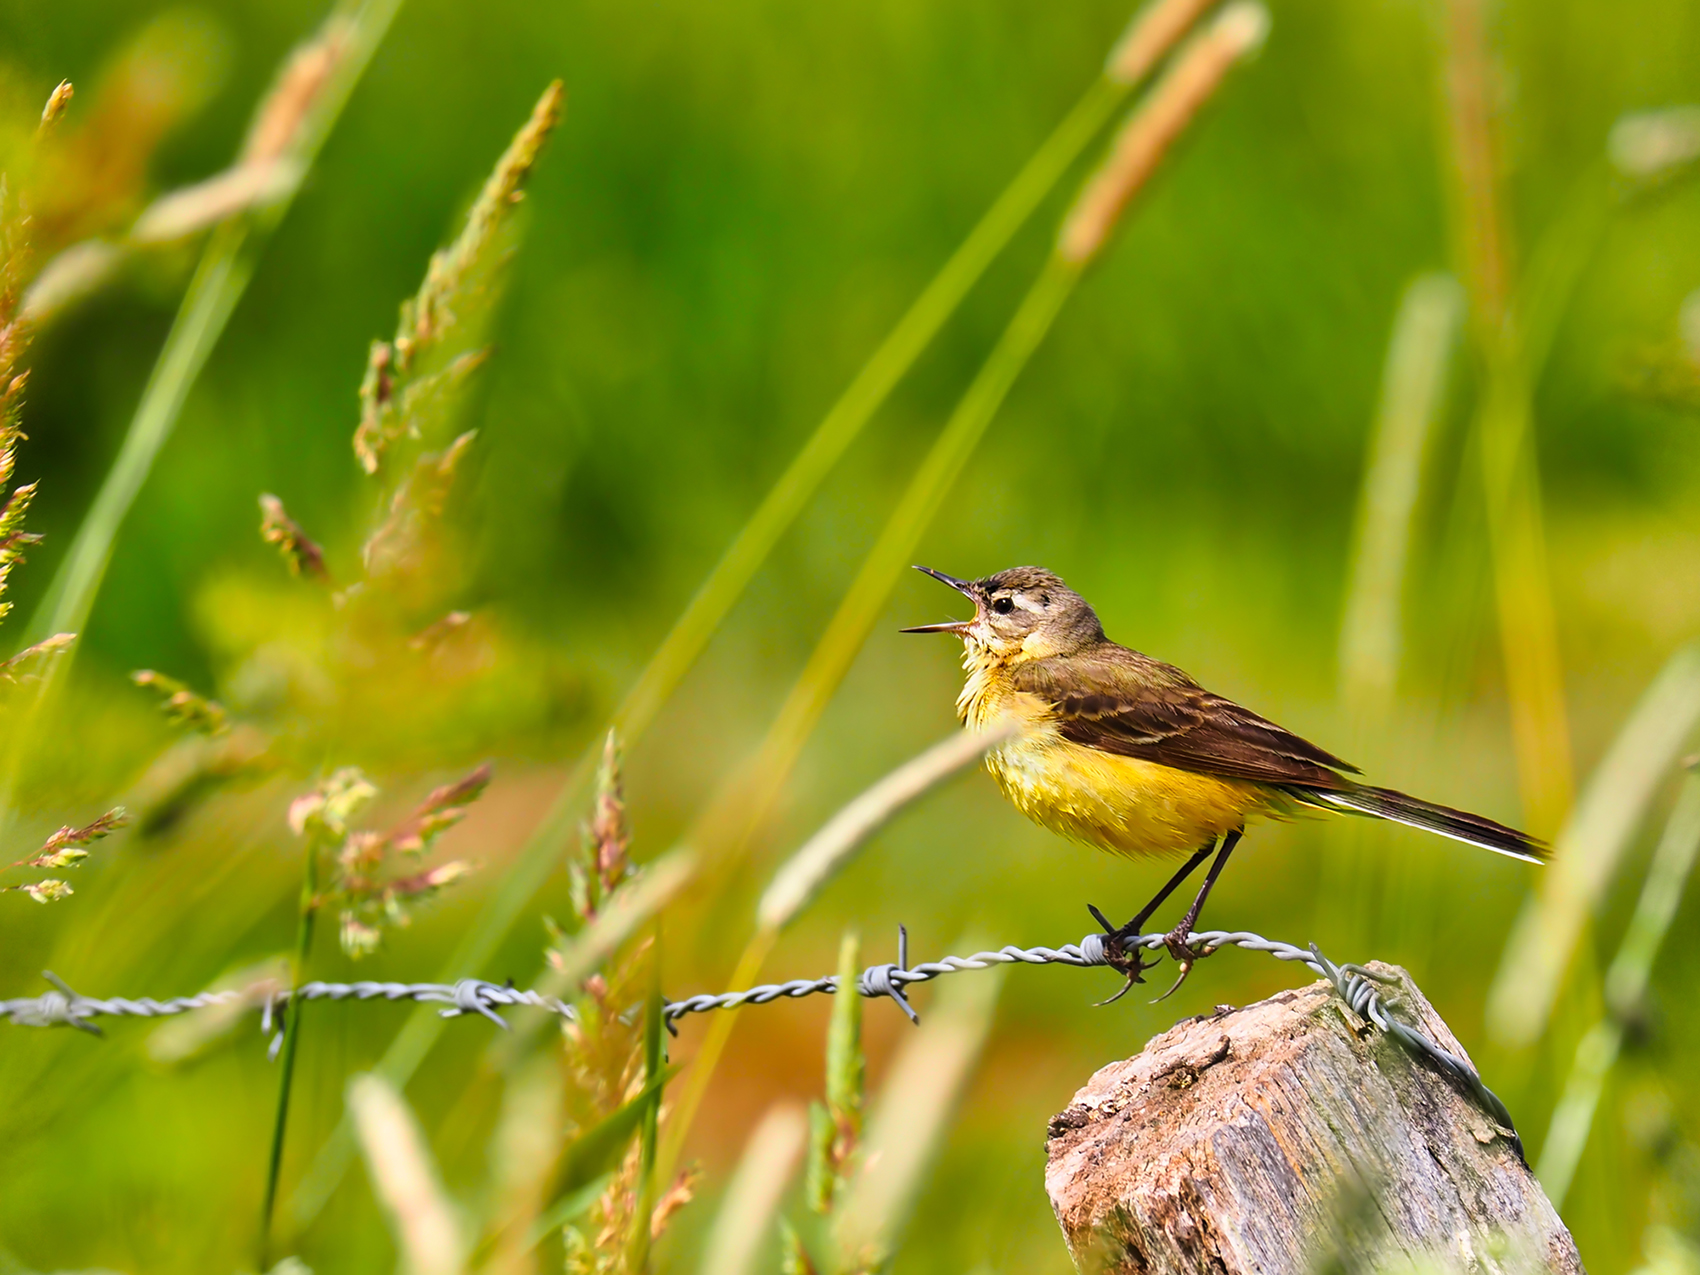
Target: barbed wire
[1357, 986]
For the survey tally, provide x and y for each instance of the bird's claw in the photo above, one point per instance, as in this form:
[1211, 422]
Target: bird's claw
[1131, 965]
[1126, 961]
[1185, 956]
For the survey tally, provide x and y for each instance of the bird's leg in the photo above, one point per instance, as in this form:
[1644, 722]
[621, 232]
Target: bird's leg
[1132, 928]
[1130, 962]
[1176, 939]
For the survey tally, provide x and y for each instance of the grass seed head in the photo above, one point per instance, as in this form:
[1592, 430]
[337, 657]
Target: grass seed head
[278, 528]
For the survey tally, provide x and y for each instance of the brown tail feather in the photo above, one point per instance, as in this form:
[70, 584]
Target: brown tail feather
[1398, 807]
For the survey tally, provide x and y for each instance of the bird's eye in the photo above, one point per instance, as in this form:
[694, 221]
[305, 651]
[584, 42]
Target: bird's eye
[1003, 606]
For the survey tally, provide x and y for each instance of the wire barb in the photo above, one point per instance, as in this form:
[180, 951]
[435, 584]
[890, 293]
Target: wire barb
[1357, 986]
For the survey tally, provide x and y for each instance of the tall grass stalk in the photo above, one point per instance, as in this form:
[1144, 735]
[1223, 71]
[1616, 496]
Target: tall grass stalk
[864, 396]
[746, 807]
[910, 1120]
[825, 854]
[405, 1180]
[1413, 391]
[1147, 40]
[1149, 132]
[1413, 394]
[1588, 851]
[1516, 537]
[1626, 986]
[802, 876]
[304, 925]
[752, 1199]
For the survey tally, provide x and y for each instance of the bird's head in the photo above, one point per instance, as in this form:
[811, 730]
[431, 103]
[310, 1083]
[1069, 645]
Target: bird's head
[1025, 613]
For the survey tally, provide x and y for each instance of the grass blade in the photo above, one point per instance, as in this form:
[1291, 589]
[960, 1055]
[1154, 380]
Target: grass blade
[404, 1179]
[835, 1126]
[523, 1149]
[825, 854]
[309, 907]
[1412, 392]
[752, 1200]
[1534, 678]
[1135, 152]
[1626, 984]
[912, 1118]
[746, 807]
[1588, 851]
[569, 1208]
[599, 1148]
[630, 908]
[1149, 37]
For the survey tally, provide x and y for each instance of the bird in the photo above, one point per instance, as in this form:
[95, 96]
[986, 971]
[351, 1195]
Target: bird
[1126, 753]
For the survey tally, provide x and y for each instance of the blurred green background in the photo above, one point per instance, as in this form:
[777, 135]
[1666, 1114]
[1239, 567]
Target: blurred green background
[741, 201]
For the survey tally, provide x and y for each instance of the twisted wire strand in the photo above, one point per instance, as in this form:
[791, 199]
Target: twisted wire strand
[1357, 986]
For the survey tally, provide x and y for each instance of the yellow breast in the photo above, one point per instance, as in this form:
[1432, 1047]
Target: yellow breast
[1121, 804]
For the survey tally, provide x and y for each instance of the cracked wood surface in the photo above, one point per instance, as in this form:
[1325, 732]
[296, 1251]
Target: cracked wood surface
[1289, 1137]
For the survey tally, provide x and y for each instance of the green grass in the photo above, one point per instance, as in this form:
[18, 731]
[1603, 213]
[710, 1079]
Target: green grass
[756, 354]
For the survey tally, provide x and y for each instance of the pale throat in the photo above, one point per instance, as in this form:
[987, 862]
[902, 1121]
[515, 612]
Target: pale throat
[989, 690]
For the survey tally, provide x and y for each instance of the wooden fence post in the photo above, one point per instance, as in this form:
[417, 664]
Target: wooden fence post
[1288, 1136]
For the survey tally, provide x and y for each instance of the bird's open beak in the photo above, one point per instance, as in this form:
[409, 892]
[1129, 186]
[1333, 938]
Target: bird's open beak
[958, 627]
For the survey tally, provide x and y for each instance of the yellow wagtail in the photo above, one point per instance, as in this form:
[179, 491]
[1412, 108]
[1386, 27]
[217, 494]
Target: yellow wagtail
[1131, 755]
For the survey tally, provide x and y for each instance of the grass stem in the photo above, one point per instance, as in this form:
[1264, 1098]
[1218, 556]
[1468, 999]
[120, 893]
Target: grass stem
[1626, 989]
[745, 808]
[1528, 633]
[291, 1040]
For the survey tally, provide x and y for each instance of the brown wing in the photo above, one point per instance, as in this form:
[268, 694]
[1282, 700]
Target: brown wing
[1122, 702]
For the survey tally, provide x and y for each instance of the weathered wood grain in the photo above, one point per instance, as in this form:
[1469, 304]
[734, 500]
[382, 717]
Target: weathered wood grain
[1289, 1137]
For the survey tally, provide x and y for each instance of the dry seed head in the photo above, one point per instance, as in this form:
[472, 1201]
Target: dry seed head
[1151, 34]
[16, 669]
[73, 274]
[69, 857]
[445, 874]
[180, 213]
[402, 542]
[49, 891]
[1155, 124]
[1648, 144]
[330, 805]
[182, 704]
[456, 275]
[58, 102]
[64, 848]
[357, 938]
[433, 634]
[609, 829]
[362, 853]
[291, 100]
[674, 1198]
[278, 528]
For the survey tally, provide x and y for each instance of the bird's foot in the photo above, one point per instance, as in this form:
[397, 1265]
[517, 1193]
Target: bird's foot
[1185, 955]
[1122, 955]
